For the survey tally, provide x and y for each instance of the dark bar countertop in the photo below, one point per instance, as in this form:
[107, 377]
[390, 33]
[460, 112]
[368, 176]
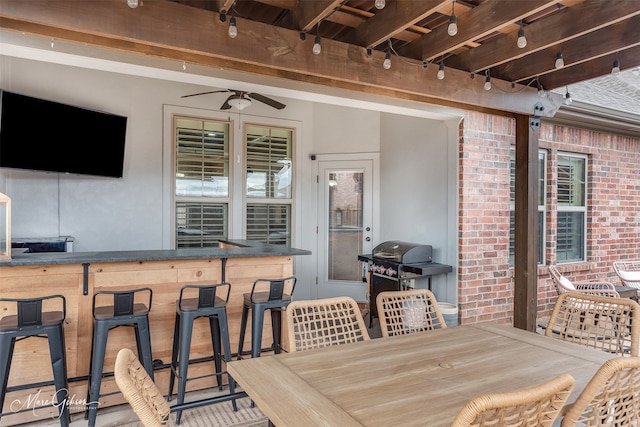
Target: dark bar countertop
[243, 249]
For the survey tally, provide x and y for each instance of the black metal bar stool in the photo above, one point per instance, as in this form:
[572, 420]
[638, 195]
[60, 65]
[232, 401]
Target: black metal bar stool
[197, 301]
[123, 310]
[31, 321]
[267, 294]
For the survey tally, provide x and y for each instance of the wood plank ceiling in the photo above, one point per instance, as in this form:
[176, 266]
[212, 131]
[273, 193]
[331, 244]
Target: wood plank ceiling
[590, 35]
[275, 39]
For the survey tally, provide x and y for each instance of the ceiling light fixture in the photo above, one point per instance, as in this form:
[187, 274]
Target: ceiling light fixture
[316, 45]
[487, 82]
[567, 97]
[387, 61]
[440, 74]
[239, 102]
[522, 40]
[452, 29]
[559, 60]
[132, 3]
[616, 67]
[379, 4]
[233, 30]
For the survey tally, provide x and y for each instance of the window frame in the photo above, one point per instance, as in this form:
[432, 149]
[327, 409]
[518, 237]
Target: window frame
[584, 209]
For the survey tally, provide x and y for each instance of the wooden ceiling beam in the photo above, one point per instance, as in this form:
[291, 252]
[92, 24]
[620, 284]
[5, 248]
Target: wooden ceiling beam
[393, 19]
[564, 25]
[607, 40]
[307, 15]
[628, 59]
[479, 22]
[158, 31]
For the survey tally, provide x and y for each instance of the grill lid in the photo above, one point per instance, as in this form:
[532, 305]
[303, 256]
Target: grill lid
[402, 252]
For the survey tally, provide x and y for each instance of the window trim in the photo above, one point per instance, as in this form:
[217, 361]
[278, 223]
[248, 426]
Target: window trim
[584, 209]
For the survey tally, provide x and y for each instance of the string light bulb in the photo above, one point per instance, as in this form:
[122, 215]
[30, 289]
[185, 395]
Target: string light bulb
[487, 82]
[132, 3]
[541, 92]
[387, 61]
[452, 29]
[379, 4]
[559, 61]
[616, 67]
[233, 30]
[567, 97]
[316, 45]
[522, 40]
[440, 74]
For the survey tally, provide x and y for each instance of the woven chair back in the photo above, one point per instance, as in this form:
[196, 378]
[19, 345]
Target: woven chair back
[140, 391]
[323, 323]
[611, 398]
[537, 406]
[604, 323]
[407, 312]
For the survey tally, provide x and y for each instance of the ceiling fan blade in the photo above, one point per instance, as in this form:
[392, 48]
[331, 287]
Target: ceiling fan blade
[206, 93]
[226, 105]
[271, 102]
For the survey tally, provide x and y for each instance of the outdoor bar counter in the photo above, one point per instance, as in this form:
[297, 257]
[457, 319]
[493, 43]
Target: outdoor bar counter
[77, 275]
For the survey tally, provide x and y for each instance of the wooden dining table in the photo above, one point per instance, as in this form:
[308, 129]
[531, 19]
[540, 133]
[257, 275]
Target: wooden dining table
[420, 379]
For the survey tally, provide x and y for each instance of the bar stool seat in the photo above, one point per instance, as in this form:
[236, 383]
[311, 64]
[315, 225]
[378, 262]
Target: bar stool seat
[124, 308]
[31, 321]
[266, 294]
[198, 301]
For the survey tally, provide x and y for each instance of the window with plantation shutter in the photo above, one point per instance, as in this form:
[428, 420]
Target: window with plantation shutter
[572, 208]
[202, 182]
[268, 184]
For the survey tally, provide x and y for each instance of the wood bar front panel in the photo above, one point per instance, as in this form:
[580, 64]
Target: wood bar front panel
[31, 363]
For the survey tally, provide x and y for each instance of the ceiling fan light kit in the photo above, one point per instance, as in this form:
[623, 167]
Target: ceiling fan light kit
[239, 103]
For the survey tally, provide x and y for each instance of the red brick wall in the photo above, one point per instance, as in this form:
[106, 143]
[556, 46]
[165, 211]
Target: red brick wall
[485, 283]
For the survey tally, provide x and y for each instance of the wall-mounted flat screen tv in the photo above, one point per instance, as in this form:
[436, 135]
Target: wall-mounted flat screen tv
[37, 134]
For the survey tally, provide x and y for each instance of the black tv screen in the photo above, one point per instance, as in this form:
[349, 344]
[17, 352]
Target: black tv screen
[37, 134]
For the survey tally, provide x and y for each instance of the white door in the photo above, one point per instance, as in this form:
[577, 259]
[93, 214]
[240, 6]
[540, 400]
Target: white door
[345, 226]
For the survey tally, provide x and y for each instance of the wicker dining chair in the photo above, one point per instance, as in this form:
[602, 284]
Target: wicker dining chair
[140, 391]
[406, 312]
[612, 397]
[563, 284]
[604, 323]
[536, 406]
[629, 272]
[323, 323]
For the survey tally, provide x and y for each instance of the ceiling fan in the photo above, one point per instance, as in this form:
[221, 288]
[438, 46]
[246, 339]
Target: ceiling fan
[240, 99]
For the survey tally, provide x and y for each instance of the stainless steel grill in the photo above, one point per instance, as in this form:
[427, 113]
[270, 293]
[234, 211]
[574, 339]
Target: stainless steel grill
[392, 263]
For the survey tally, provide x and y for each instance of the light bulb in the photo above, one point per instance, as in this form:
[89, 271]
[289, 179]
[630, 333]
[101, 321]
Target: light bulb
[522, 40]
[233, 30]
[541, 92]
[132, 3]
[559, 60]
[380, 4]
[487, 83]
[452, 29]
[316, 46]
[440, 74]
[567, 98]
[387, 61]
[616, 67]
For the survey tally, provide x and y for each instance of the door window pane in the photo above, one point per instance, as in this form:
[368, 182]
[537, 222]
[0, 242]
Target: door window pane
[345, 225]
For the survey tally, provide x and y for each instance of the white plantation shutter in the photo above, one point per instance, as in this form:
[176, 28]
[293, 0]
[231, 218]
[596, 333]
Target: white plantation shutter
[269, 177]
[202, 182]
